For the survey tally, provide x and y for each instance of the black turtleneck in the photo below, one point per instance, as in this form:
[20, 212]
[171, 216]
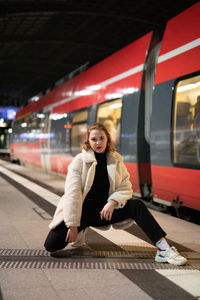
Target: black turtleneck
[100, 186]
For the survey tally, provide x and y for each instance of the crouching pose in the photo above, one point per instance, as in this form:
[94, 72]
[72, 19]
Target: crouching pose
[98, 193]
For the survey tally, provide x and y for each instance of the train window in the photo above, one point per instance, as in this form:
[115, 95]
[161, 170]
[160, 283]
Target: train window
[31, 128]
[23, 129]
[186, 123]
[79, 130]
[109, 114]
[58, 133]
[15, 131]
[80, 116]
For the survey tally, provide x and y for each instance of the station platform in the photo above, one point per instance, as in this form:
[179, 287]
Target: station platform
[113, 264]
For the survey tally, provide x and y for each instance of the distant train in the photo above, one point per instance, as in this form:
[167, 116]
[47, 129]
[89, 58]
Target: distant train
[148, 96]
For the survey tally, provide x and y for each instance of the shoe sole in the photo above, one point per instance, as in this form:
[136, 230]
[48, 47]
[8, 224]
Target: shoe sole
[161, 260]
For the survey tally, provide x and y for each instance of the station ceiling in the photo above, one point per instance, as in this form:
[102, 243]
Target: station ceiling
[43, 41]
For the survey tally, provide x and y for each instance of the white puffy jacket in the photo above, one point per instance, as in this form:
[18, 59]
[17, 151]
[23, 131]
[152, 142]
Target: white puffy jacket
[79, 180]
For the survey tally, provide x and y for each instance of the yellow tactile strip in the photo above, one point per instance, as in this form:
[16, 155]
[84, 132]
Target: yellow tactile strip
[85, 252]
[87, 259]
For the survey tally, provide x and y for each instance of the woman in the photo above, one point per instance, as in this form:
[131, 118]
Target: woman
[98, 192]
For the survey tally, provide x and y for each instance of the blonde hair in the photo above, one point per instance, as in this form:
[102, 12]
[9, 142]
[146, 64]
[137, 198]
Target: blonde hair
[98, 126]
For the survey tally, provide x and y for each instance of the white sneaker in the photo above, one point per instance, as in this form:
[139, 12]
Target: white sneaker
[80, 242]
[171, 256]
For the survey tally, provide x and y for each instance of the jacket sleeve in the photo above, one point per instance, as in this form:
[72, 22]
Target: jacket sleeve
[123, 189]
[72, 206]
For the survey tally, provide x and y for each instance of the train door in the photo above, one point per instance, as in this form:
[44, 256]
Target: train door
[120, 117]
[59, 141]
[45, 140]
[139, 105]
[129, 142]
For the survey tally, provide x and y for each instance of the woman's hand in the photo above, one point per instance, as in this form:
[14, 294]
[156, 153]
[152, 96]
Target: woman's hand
[107, 210]
[72, 234]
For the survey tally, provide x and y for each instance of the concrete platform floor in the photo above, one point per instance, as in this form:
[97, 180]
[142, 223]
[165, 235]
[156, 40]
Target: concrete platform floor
[114, 264]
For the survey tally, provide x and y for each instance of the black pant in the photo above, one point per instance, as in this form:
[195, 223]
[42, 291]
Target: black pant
[134, 209]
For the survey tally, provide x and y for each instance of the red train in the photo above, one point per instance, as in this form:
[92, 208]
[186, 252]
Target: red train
[148, 95]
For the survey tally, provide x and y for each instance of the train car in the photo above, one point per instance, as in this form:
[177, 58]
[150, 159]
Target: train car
[148, 96]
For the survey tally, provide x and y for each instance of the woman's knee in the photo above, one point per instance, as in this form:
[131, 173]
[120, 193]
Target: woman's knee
[55, 241]
[49, 247]
[53, 246]
[50, 244]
